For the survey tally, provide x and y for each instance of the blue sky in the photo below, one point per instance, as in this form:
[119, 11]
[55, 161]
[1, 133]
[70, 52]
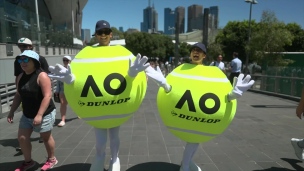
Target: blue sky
[129, 13]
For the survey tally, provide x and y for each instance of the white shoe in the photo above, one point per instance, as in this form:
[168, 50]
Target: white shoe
[194, 167]
[98, 164]
[115, 166]
[298, 150]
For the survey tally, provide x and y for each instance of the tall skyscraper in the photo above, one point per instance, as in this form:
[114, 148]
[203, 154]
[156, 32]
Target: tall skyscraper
[121, 29]
[150, 20]
[86, 35]
[169, 21]
[206, 26]
[195, 17]
[180, 18]
[214, 12]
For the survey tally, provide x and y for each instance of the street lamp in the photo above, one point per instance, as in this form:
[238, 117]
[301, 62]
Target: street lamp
[171, 28]
[249, 28]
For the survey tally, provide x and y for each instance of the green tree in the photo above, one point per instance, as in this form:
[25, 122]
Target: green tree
[270, 39]
[298, 41]
[213, 50]
[184, 49]
[233, 38]
[116, 34]
[150, 45]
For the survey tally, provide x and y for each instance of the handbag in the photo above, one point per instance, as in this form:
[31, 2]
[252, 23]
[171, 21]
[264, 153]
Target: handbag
[56, 98]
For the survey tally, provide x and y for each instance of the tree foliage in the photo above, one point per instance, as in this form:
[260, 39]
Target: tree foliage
[271, 38]
[150, 45]
[268, 37]
[234, 38]
[213, 50]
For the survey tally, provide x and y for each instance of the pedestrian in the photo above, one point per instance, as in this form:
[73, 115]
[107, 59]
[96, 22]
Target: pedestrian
[35, 92]
[26, 44]
[219, 63]
[235, 67]
[197, 54]
[298, 144]
[60, 92]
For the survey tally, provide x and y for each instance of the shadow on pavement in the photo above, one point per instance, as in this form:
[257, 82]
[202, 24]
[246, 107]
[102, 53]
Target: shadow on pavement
[8, 166]
[274, 106]
[57, 121]
[13, 142]
[154, 166]
[292, 162]
[73, 167]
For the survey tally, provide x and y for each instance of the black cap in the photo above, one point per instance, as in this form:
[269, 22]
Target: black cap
[201, 46]
[101, 24]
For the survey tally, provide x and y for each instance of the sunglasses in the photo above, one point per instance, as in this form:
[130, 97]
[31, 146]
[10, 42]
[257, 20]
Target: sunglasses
[106, 32]
[24, 60]
[197, 50]
[65, 60]
[23, 46]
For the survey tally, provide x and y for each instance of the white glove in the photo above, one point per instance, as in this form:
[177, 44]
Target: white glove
[158, 77]
[240, 85]
[138, 65]
[61, 73]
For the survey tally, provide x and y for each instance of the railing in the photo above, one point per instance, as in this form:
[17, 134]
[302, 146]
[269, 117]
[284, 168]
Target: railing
[291, 86]
[7, 93]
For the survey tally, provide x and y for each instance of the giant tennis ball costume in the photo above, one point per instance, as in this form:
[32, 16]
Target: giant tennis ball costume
[103, 94]
[196, 109]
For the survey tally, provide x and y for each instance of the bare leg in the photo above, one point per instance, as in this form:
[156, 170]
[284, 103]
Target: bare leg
[49, 143]
[25, 143]
[63, 106]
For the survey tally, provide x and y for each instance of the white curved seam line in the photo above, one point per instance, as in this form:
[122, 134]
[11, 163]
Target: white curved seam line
[107, 117]
[199, 77]
[101, 59]
[193, 132]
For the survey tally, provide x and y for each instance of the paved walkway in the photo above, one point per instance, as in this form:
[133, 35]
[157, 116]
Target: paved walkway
[257, 140]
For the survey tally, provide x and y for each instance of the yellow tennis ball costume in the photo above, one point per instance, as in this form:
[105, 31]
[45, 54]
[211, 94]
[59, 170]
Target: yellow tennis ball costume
[196, 109]
[103, 94]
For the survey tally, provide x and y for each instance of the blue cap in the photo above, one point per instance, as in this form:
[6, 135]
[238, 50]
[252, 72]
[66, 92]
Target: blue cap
[102, 24]
[201, 46]
[31, 54]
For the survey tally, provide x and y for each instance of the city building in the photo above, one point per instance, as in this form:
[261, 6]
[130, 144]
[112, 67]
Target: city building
[121, 29]
[214, 12]
[169, 21]
[195, 18]
[180, 18]
[86, 35]
[206, 25]
[57, 24]
[150, 20]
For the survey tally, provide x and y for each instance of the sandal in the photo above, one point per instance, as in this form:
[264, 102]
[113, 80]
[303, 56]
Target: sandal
[61, 124]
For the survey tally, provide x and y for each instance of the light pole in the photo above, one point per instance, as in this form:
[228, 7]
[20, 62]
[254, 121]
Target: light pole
[249, 29]
[171, 28]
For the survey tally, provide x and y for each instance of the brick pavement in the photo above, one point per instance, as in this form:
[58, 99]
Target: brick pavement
[257, 140]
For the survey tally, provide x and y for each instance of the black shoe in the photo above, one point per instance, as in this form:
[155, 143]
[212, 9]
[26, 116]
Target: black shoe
[40, 140]
[18, 149]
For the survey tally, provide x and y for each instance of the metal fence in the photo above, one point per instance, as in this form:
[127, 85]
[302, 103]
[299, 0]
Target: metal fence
[7, 93]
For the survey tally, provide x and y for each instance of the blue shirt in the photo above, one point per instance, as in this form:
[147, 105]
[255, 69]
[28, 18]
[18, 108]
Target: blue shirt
[236, 65]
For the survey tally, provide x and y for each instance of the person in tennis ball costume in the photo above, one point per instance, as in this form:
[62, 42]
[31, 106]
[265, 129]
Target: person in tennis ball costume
[104, 88]
[197, 102]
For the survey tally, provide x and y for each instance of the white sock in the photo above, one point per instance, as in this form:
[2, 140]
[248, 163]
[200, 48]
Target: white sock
[189, 152]
[101, 142]
[301, 143]
[114, 142]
